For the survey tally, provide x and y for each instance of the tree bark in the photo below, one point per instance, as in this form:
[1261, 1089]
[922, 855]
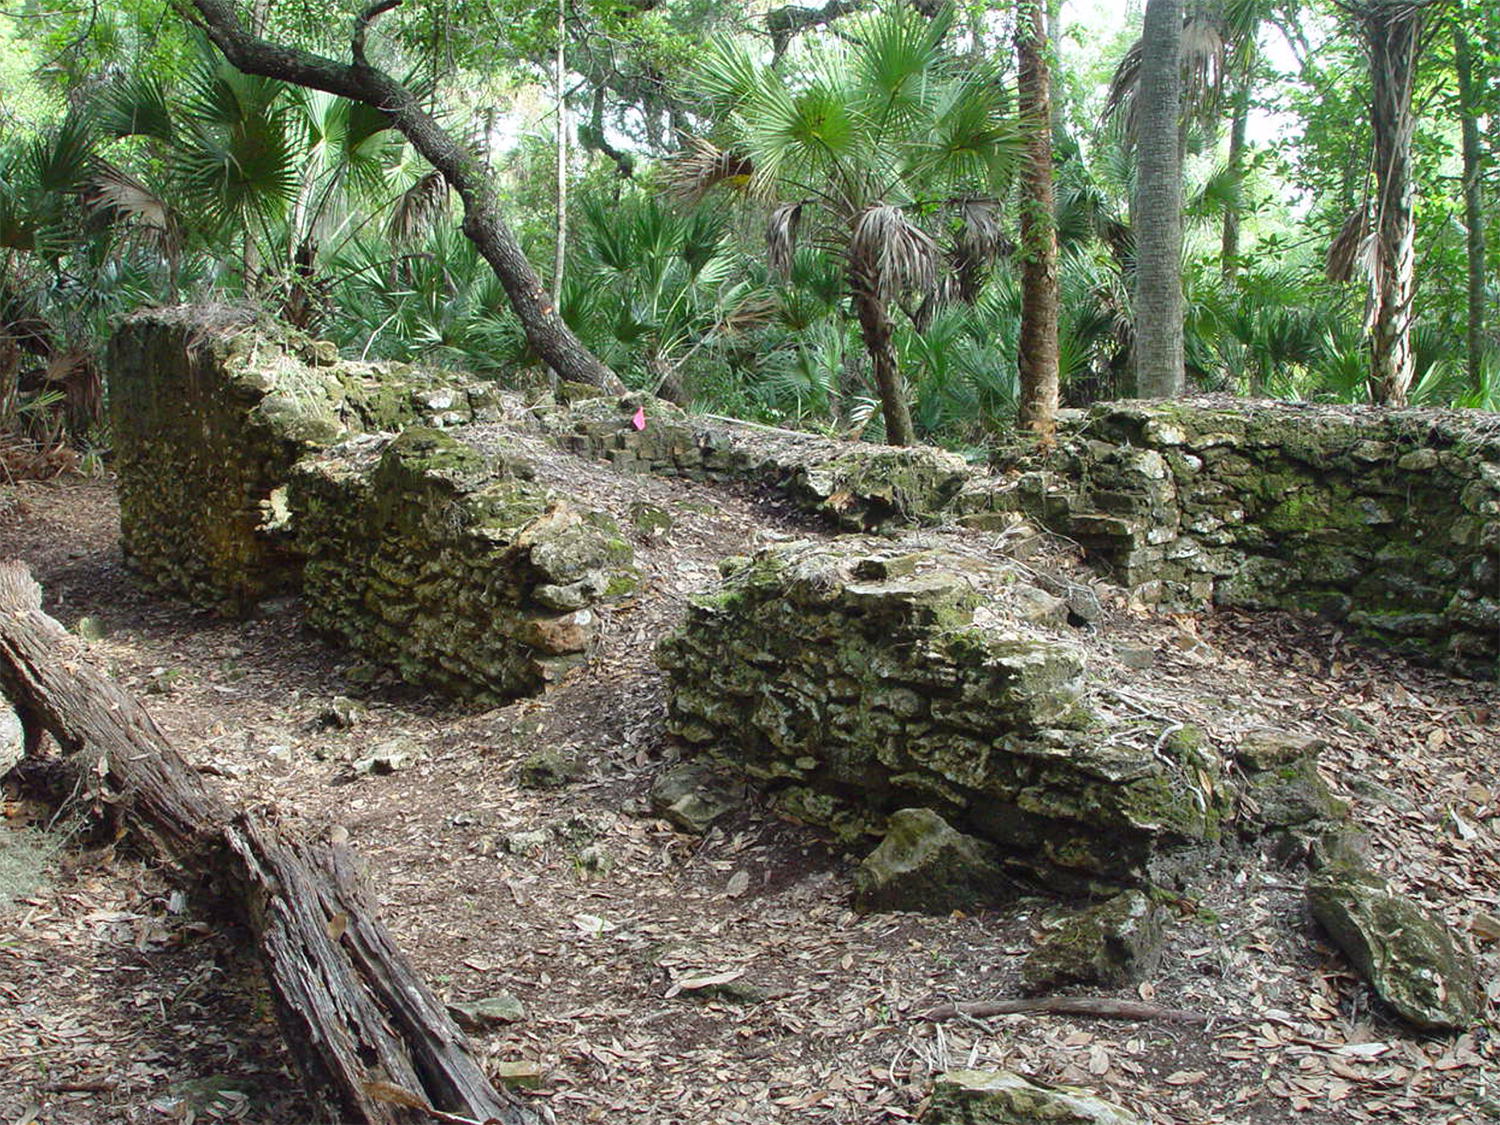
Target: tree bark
[1158, 205]
[1392, 37]
[1037, 358]
[370, 1040]
[545, 331]
[560, 250]
[875, 328]
[1229, 244]
[1468, 111]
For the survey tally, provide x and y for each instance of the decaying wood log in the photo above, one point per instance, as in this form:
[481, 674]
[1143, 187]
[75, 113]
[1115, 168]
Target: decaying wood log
[371, 1041]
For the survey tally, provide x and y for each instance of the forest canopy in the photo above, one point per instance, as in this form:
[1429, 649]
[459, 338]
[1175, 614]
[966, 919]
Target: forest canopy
[896, 221]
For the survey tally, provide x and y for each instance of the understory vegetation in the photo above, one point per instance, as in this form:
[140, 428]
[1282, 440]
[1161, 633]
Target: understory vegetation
[747, 202]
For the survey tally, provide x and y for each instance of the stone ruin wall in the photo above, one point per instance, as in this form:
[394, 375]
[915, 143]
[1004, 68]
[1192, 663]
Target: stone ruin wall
[854, 680]
[210, 411]
[1386, 520]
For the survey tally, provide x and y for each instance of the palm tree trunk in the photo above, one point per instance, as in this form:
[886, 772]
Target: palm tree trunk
[1037, 358]
[545, 331]
[1473, 201]
[561, 248]
[1229, 245]
[875, 327]
[1392, 35]
[1158, 206]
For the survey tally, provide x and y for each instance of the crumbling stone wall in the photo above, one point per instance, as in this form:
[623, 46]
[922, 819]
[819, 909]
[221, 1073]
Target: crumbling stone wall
[1389, 520]
[210, 411]
[856, 486]
[853, 683]
[454, 566]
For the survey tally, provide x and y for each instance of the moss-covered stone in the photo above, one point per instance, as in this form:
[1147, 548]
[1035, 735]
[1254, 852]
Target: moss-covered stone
[1406, 954]
[923, 865]
[1113, 943]
[852, 687]
[210, 412]
[1375, 517]
[987, 1097]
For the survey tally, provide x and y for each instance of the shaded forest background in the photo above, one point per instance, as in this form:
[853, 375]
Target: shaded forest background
[811, 217]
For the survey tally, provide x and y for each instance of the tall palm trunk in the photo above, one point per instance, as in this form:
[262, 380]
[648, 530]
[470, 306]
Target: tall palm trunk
[1392, 36]
[1037, 359]
[1158, 205]
[1473, 201]
[560, 253]
[1229, 245]
[875, 328]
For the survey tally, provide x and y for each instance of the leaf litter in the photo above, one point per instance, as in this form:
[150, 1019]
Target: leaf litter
[721, 978]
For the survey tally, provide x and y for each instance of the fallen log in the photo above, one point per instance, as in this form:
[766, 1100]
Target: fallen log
[370, 1040]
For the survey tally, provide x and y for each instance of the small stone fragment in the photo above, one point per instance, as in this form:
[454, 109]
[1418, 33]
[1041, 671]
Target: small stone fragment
[1114, 943]
[1405, 953]
[1001, 1097]
[489, 1013]
[342, 712]
[692, 797]
[1266, 748]
[527, 843]
[596, 860]
[388, 757]
[925, 865]
[547, 769]
[1040, 607]
[12, 738]
[518, 1075]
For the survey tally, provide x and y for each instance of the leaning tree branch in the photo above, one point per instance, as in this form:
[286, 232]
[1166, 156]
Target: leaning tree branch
[371, 1041]
[483, 225]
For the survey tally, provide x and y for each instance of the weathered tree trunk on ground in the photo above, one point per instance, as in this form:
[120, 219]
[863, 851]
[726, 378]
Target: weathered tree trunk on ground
[464, 171]
[1468, 112]
[1037, 358]
[1159, 369]
[370, 1040]
[1392, 36]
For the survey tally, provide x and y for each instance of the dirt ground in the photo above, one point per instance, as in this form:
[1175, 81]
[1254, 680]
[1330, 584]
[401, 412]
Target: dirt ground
[121, 1004]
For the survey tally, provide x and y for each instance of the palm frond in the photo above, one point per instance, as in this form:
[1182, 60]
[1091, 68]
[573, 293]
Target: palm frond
[889, 254]
[781, 236]
[136, 106]
[1344, 251]
[418, 209]
[701, 165]
[124, 199]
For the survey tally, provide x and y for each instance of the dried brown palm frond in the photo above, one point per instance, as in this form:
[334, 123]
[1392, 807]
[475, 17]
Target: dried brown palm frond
[781, 237]
[701, 165]
[1345, 251]
[418, 209]
[116, 194]
[752, 311]
[979, 243]
[1204, 54]
[889, 254]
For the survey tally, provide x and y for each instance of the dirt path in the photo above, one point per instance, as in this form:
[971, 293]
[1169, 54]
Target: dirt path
[118, 1003]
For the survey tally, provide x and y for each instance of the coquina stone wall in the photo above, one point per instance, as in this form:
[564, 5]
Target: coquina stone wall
[210, 412]
[1389, 520]
[853, 682]
[452, 563]
[855, 485]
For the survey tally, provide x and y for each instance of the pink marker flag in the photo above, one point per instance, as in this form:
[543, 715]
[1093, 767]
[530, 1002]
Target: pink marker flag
[639, 421]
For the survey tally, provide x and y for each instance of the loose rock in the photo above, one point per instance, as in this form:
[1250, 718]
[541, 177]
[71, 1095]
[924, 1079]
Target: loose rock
[692, 797]
[989, 1097]
[1111, 944]
[924, 865]
[1404, 952]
